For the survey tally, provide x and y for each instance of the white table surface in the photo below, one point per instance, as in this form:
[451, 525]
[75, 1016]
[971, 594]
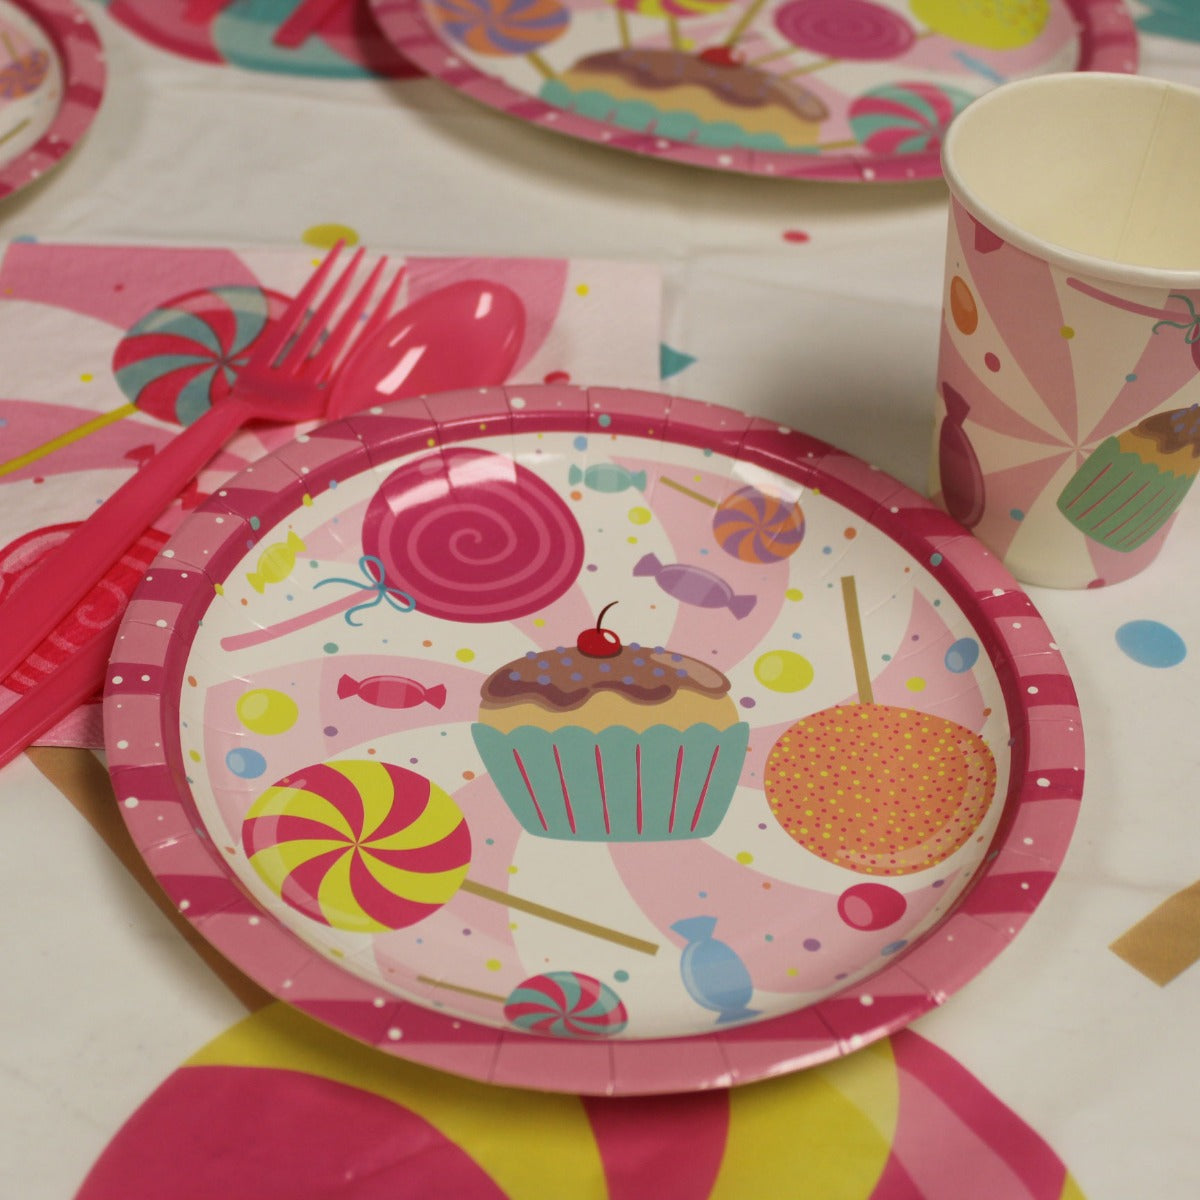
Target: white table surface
[837, 335]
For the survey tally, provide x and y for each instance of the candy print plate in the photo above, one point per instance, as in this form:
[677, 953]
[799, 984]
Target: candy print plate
[51, 83]
[846, 90]
[591, 740]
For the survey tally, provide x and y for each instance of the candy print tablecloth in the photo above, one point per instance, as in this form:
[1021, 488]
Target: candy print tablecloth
[1065, 1068]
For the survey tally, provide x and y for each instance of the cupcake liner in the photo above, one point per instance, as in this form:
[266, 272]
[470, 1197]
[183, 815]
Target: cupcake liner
[1118, 499]
[618, 785]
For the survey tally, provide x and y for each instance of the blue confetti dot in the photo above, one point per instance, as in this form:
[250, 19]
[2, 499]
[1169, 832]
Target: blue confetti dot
[1016, 514]
[621, 976]
[935, 560]
[962, 655]
[1130, 378]
[245, 763]
[1151, 643]
[604, 420]
[581, 443]
[330, 647]
[893, 947]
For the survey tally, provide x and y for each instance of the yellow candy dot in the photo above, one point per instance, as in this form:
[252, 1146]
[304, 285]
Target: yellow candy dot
[86, 377]
[324, 236]
[582, 289]
[794, 594]
[267, 711]
[464, 655]
[783, 671]
[492, 964]
[745, 857]
[1067, 332]
[639, 515]
[915, 684]
[194, 755]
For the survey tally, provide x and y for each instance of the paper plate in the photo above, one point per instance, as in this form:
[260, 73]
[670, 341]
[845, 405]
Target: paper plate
[371, 731]
[51, 83]
[848, 90]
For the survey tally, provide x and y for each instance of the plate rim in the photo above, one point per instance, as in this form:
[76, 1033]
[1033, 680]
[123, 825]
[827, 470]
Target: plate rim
[1108, 42]
[81, 55]
[149, 657]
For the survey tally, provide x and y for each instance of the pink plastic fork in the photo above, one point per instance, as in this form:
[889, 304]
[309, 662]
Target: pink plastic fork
[200, 12]
[306, 18]
[286, 379]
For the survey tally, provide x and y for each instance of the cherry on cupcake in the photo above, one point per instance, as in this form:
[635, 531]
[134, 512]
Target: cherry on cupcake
[599, 642]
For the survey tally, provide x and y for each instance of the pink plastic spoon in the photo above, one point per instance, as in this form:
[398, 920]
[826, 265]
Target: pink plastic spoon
[467, 334]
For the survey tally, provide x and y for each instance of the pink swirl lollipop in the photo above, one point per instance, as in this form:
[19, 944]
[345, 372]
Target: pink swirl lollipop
[566, 1004]
[473, 536]
[905, 118]
[181, 358]
[854, 29]
[502, 27]
[560, 1003]
[367, 846]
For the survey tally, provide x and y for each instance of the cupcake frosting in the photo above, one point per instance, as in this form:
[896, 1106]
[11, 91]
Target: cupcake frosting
[565, 678]
[1172, 431]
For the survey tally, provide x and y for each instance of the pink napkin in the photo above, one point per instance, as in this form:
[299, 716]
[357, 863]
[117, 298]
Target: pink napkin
[109, 349]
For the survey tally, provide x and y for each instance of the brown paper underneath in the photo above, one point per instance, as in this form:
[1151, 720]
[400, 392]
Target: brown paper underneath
[1165, 942]
[82, 778]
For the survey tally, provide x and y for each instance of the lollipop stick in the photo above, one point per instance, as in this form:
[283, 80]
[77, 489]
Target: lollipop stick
[752, 11]
[550, 914]
[687, 491]
[12, 133]
[65, 439]
[458, 987]
[858, 649]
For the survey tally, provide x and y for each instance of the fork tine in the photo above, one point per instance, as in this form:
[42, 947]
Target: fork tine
[310, 333]
[277, 333]
[321, 364]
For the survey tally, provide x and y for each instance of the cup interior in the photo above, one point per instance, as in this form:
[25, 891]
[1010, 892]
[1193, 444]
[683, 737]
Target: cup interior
[1097, 165]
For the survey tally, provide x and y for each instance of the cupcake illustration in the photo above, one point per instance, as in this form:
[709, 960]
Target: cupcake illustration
[1131, 484]
[606, 742]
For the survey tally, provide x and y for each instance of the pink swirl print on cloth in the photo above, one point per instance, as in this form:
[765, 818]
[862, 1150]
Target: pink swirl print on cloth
[501, 27]
[473, 536]
[855, 29]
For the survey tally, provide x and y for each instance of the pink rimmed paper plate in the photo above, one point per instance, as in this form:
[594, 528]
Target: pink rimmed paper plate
[51, 84]
[848, 90]
[371, 730]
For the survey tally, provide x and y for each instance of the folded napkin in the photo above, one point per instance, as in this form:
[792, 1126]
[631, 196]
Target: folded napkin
[280, 1106]
[108, 349]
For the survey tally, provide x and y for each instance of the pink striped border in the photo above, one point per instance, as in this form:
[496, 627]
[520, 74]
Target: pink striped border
[1107, 36]
[81, 55]
[1046, 766]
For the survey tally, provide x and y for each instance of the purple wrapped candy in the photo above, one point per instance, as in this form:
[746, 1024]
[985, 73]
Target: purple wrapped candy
[694, 585]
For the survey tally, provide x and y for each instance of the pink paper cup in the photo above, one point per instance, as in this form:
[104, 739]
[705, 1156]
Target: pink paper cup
[1067, 424]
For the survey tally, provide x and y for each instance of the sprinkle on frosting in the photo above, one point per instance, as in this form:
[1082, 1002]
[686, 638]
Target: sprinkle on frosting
[563, 680]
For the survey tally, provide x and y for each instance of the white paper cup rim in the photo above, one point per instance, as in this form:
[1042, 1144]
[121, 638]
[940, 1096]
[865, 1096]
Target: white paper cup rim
[1078, 262]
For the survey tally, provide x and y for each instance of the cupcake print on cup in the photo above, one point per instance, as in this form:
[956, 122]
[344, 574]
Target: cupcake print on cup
[607, 742]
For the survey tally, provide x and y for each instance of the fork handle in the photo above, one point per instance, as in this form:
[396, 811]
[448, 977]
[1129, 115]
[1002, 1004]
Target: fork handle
[68, 572]
[57, 694]
[303, 22]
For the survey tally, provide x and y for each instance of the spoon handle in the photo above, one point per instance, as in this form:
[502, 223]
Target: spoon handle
[64, 577]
